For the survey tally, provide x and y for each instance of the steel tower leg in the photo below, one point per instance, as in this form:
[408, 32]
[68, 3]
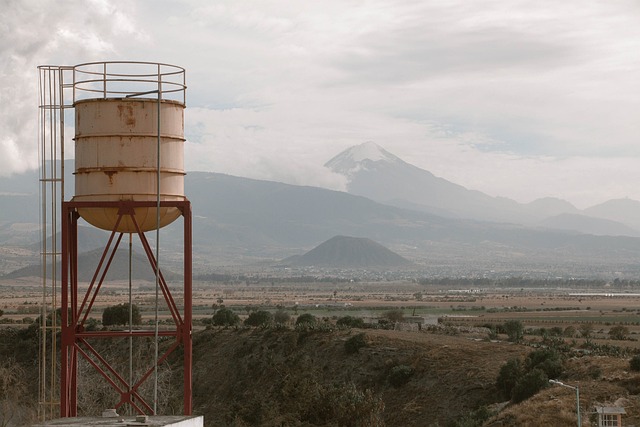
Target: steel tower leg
[74, 312]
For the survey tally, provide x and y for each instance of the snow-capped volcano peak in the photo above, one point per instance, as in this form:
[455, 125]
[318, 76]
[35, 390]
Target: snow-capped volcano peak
[358, 157]
[369, 151]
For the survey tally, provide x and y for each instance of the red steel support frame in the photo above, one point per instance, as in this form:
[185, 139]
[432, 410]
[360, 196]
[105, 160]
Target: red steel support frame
[74, 312]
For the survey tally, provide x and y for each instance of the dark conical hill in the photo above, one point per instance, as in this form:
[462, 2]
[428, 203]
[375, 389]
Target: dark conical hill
[351, 252]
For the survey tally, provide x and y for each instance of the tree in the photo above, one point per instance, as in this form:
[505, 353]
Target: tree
[634, 363]
[529, 384]
[119, 315]
[259, 318]
[225, 317]
[281, 317]
[514, 330]
[518, 381]
[586, 330]
[509, 375]
[619, 332]
[306, 319]
[547, 360]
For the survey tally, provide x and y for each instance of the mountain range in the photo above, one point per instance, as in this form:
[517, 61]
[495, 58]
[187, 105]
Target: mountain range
[443, 228]
[375, 173]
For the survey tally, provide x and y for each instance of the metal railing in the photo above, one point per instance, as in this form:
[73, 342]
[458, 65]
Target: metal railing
[120, 79]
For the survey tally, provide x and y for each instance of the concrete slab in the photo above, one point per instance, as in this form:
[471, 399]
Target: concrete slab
[152, 421]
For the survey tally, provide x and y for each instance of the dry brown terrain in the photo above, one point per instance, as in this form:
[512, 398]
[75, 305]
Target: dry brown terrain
[247, 376]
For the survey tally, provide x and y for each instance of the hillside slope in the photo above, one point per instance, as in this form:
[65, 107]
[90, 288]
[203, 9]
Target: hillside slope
[306, 377]
[284, 377]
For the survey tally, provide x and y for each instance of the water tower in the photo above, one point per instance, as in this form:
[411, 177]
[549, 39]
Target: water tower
[129, 181]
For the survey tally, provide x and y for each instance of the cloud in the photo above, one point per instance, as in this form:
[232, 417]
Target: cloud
[513, 98]
[46, 32]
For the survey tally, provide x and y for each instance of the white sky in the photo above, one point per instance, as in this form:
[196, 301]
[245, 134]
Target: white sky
[514, 98]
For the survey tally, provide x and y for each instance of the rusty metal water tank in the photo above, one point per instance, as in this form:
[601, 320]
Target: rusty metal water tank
[116, 140]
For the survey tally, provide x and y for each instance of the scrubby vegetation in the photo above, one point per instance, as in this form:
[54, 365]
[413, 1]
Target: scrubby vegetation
[400, 375]
[225, 317]
[119, 315]
[259, 318]
[350, 322]
[520, 380]
[307, 319]
[269, 371]
[355, 343]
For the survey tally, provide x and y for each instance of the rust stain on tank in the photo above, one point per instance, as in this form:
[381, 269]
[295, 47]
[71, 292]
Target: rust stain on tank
[110, 173]
[126, 115]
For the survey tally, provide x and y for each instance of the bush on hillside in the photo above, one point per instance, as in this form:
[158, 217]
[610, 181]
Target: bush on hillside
[355, 343]
[225, 317]
[618, 332]
[306, 319]
[475, 418]
[259, 318]
[508, 376]
[518, 381]
[531, 383]
[400, 375]
[514, 330]
[547, 360]
[634, 363]
[119, 315]
[350, 322]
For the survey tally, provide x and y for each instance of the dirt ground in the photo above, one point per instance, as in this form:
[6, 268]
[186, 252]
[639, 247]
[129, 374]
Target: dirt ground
[454, 374]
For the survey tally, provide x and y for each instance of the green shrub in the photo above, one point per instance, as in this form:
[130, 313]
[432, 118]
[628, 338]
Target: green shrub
[259, 318]
[619, 332]
[595, 372]
[509, 375]
[400, 375]
[518, 381]
[355, 343]
[225, 317]
[306, 319]
[119, 315]
[634, 363]
[340, 405]
[547, 360]
[514, 330]
[529, 384]
[350, 322]
[475, 418]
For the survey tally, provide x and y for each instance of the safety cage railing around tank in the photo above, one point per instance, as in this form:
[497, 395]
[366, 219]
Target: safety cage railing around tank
[121, 79]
